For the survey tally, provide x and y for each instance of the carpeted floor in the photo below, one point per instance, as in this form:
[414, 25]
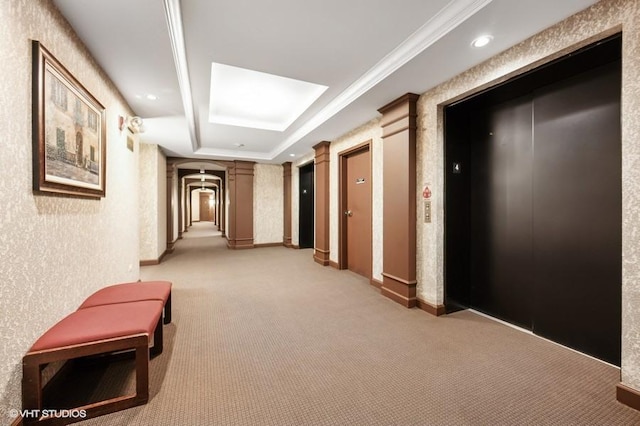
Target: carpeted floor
[268, 337]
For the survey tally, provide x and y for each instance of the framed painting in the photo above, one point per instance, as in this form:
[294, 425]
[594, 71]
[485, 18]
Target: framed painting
[69, 132]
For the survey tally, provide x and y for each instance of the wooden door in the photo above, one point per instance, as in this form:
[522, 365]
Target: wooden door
[206, 214]
[356, 212]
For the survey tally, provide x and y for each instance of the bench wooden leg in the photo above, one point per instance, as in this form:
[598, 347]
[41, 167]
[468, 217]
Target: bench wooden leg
[158, 340]
[167, 310]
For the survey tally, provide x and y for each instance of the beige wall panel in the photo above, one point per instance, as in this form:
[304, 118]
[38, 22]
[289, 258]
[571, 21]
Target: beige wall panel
[55, 251]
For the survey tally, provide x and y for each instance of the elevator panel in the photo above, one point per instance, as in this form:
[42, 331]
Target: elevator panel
[533, 229]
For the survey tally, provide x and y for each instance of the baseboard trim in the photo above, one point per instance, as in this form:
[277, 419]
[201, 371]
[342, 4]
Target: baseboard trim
[151, 262]
[407, 302]
[376, 283]
[334, 264]
[262, 245]
[628, 396]
[435, 310]
[240, 247]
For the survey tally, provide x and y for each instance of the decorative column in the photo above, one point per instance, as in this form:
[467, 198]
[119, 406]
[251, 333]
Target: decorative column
[222, 197]
[170, 172]
[399, 200]
[240, 205]
[286, 177]
[321, 251]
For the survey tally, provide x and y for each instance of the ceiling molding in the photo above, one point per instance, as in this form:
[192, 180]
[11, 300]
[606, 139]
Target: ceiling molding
[176, 35]
[234, 154]
[441, 24]
[455, 13]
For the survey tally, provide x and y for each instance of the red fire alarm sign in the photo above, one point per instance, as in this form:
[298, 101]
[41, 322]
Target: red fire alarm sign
[426, 194]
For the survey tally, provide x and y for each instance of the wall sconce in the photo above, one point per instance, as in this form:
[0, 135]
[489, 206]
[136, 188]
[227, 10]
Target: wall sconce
[202, 178]
[134, 124]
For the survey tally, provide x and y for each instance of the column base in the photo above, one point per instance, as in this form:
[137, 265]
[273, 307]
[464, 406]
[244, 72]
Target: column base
[399, 290]
[321, 256]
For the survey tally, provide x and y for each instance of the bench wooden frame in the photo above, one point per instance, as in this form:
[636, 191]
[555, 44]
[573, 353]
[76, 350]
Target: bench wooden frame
[33, 362]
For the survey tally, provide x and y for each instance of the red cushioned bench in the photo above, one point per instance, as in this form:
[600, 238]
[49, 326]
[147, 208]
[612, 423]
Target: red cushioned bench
[93, 331]
[133, 292]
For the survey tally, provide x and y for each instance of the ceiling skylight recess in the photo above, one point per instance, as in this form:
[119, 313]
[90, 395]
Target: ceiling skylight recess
[247, 98]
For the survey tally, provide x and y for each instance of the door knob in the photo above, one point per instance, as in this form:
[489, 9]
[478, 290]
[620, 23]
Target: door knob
[348, 213]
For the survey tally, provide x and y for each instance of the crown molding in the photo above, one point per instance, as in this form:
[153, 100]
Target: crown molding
[176, 35]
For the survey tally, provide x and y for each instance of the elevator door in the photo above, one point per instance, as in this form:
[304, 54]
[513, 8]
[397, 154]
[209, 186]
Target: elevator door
[501, 216]
[578, 210]
[533, 210]
[306, 207]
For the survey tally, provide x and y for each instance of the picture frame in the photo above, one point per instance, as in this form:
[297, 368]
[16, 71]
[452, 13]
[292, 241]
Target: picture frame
[69, 132]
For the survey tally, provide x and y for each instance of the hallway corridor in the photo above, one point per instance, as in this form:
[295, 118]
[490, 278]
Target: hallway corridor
[268, 337]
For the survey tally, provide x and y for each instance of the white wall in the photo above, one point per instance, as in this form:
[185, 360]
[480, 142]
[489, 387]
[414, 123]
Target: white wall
[153, 202]
[268, 203]
[54, 251]
[195, 205]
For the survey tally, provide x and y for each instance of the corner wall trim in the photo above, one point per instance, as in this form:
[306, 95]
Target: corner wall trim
[436, 310]
[628, 396]
[334, 264]
[151, 262]
[376, 283]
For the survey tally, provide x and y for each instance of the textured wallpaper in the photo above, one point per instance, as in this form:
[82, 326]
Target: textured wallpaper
[369, 131]
[295, 196]
[602, 19]
[268, 204]
[195, 205]
[153, 210]
[54, 251]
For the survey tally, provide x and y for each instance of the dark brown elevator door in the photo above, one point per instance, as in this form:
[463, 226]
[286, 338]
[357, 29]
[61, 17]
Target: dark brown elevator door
[357, 212]
[533, 216]
[501, 211]
[577, 210]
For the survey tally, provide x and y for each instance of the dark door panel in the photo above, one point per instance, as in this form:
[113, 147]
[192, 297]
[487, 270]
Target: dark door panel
[306, 207]
[578, 212]
[501, 208]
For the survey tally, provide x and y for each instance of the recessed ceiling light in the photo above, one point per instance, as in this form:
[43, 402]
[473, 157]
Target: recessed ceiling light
[292, 155]
[239, 145]
[247, 98]
[482, 41]
[152, 97]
